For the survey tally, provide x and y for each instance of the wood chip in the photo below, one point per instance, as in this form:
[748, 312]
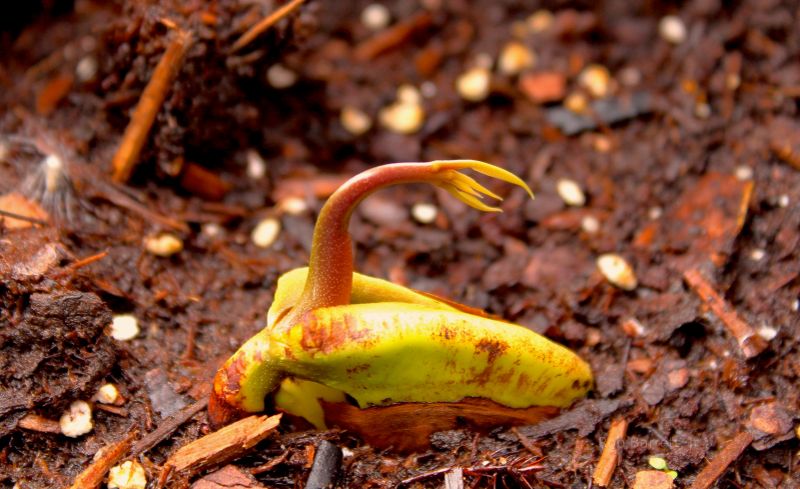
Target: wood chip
[153, 96]
[228, 477]
[748, 339]
[714, 470]
[652, 479]
[224, 445]
[454, 479]
[19, 212]
[34, 422]
[704, 222]
[94, 474]
[610, 456]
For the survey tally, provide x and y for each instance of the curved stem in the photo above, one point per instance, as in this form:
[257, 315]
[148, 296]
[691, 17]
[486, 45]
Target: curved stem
[331, 264]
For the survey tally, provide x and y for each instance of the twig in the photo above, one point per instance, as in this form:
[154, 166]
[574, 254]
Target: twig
[81, 263]
[168, 426]
[423, 476]
[116, 410]
[526, 442]
[271, 464]
[265, 24]
[749, 341]
[14, 215]
[714, 470]
[127, 154]
[608, 459]
[224, 445]
[93, 475]
[392, 37]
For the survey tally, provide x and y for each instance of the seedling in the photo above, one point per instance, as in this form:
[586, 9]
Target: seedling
[332, 333]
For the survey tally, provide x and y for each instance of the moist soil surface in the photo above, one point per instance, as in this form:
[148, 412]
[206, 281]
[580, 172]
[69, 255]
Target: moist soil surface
[677, 122]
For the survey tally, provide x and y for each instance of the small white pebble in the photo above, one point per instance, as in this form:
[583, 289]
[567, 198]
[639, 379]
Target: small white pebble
[107, 394]
[590, 224]
[474, 84]
[633, 327]
[424, 213]
[164, 244]
[347, 453]
[796, 305]
[376, 16]
[129, 475]
[77, 420]
[211, 230]
[702, 110]
[294, 206]
[428, 89]
[124, 327]
[743, 173]
[355, 121]
[576, 102]
[408, 94]
[757, 254]
[672, 29]
[256, 166]
[783, 200]
[280, 76]
[767, 332]
[596, 79]
[86, 69]
[515, 58]
[540, 21]
[402, 118]
[266, 232]
[654, 213]
[617, 271]
[570, 192]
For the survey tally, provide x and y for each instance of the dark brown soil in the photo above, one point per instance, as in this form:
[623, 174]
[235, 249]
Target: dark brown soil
[691, 162]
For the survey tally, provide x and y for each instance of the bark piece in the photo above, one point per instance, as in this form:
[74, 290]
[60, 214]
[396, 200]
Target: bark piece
[94, 474]
[652, 479]
[224, 445]
[228, 477]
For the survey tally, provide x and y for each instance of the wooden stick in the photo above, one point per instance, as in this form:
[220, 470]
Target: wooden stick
[224, 445]
[393, 36]
[714, 470]
[749, 341]
[608, 459]
[265, 24]
[94, 474]
[153, 96]
[168, 426]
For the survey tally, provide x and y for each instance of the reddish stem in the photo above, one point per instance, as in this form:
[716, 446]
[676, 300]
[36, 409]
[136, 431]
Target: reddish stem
[330, 277]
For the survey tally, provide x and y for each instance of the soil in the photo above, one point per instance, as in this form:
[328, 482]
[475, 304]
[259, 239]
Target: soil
[690, 166]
